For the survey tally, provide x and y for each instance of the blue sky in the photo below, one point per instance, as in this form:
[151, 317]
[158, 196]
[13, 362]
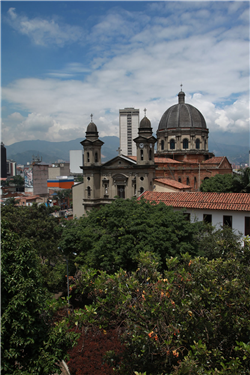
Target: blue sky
[63, 60]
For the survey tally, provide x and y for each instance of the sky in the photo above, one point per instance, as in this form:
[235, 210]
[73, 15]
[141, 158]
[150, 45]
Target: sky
[63, 61]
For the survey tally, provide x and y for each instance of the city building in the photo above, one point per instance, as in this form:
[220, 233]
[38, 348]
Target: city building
[129, 119]
[62, 182]
[217, 209]
[76, 160]
[121, 176]
[3, 161]
[58, 169]
[182, 160]
[11, 168]
[40, 177]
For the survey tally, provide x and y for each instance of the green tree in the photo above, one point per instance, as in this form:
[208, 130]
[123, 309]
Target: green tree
[221, 183]
[30, 345]
[111, 237]
[241, 181]
[43, 231]
[16, 180]
[191, 319]
[10, 201]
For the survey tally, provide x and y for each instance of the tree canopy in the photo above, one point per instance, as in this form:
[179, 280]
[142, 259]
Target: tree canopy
[228, 183]
[29, 343]
[191, 319]
[111, 237]
[221, 183]
[43, 232]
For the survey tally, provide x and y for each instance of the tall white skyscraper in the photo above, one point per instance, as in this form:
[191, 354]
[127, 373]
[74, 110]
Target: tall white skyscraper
[129, 119]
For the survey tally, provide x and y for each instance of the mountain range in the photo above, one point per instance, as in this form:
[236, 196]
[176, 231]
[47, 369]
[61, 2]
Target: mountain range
[52, 152]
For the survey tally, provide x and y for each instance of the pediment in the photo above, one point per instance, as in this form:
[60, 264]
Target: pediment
[120, 161]
[225, 164]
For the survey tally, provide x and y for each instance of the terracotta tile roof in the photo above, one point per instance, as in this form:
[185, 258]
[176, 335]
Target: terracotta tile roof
[199, 200]
[131, 157]
[214, 160]
[173, 183]
[29, 197]
[165, 160]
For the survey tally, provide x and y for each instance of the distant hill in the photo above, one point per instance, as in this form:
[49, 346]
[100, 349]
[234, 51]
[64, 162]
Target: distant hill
[235, 153]
[52, 152]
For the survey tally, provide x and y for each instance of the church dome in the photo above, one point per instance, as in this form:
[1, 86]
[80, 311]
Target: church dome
[91, 128]
[182, 115]
[145, 123]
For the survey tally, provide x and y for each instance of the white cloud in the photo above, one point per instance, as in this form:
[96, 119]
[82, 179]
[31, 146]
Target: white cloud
[70, 70]
[16, 116]
[134, 62]
[44, 32]
[36, 122]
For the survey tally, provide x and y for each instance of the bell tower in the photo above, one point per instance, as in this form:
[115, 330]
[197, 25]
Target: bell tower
[92, 146]
[145, 142]
[91, 165]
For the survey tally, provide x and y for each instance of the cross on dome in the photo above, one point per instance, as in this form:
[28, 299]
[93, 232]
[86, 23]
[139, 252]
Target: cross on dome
[91, 117]
[145, 110]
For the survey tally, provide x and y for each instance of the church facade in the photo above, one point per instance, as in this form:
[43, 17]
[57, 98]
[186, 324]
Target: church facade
[182, 160]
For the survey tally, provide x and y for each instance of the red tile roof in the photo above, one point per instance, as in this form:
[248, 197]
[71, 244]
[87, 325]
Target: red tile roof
[199, 200]
[173, 183]
[29, 197]
[131, 157]
[214, 160]
[165, 160]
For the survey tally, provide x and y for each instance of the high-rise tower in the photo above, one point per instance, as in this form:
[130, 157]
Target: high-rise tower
[3, 164]
[129, 119]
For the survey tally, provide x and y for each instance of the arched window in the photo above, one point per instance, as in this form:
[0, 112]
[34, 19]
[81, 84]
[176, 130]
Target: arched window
[150, 154]
[141, 190]
[162, 145]
[89, 191]
[188, 181]
[197, 144]
[172, 144]
[96, 157]
[88, 157]
[179, 179]
[185, 143]
[141, 154]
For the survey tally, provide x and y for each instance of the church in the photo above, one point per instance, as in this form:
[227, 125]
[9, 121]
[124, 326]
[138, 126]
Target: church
[181, 162]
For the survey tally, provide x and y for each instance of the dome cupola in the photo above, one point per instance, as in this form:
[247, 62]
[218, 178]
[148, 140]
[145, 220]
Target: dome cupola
[145, 126]
[92, 132]
[182, 130]
[182, 115]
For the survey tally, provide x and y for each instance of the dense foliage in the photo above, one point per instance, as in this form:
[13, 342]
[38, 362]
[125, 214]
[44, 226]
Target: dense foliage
[112, 237]
[191, 319]
[43, 232]
[221, 183]
[29, 343]
[228, 183]
[160, 295]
